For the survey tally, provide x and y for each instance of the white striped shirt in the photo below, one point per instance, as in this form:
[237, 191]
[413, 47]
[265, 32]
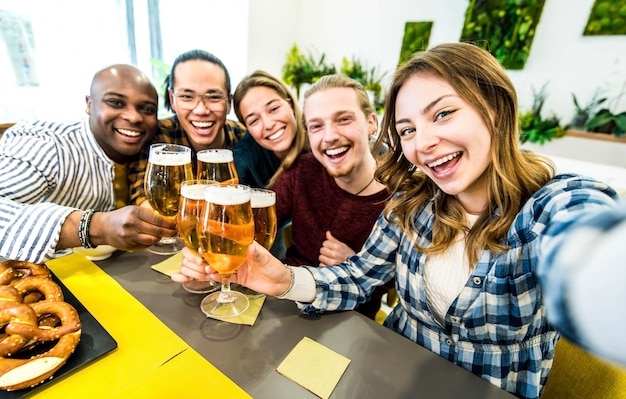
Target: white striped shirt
[48, 170]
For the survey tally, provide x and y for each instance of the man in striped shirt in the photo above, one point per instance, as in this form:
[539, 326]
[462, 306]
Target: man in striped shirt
[57, 178]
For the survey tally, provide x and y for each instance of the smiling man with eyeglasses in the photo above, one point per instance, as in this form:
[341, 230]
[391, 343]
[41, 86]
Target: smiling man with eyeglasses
[198, 92]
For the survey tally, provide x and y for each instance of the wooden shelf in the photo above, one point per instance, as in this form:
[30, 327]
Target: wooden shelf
[596, 136]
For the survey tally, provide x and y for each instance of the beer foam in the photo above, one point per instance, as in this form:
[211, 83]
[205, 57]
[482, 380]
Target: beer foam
[170, 159]
[215, 156]
[259, 199]
[194, 191]
[227, 195]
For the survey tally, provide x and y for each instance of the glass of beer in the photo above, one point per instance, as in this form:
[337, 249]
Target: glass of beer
[168, 166]
[189, 211]
[263, 204]
[225, 230]
[217, 165]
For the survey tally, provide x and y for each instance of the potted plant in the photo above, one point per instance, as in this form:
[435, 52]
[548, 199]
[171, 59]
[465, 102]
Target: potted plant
[606, 121]
[160, 75]
[583, 113]
[354, 69]
[368, 77]
[301, 69]
[295, 69]
[318, 67]
[536, 129]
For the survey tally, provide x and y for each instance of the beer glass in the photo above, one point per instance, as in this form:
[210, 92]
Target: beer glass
[225, 230]
[217, 165]
[168, 166]
[263, 204]
[189, 211]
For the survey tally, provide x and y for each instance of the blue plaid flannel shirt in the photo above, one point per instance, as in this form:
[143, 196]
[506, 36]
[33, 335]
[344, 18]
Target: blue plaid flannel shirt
[497, 327]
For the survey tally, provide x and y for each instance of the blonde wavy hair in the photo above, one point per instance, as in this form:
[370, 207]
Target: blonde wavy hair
[512, 176]
[300, 143]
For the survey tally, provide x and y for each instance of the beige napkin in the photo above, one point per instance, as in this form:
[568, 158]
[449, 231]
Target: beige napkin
[171, 265]
[314, 367]
[250, 315]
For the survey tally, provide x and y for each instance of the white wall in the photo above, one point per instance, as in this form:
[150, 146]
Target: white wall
[219, 27]
[372, 30]
[74, 38]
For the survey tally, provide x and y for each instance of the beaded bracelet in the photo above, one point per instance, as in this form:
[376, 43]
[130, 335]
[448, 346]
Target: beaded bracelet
[291, 283]
[83, 229]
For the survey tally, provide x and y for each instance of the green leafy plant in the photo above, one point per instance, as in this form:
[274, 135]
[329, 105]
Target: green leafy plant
[300, 68]
[319, 67]
[536, 129]
[373, 81]
[606, 121]
[370, 78]
[584, 112]
[354, 69]
[416, 38]
[295, 70]
[607, 17]
[505, 28]
[160, 72]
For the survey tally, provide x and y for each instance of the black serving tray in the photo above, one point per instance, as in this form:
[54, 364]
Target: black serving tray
[95, 342]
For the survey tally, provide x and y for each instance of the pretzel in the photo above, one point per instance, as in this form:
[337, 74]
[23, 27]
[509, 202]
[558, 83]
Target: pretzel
[24, 268]
[17, 313]
[27, 321]
[43, 285]
[7, 274]
[8, 293]
[63, 310]
[24, 373]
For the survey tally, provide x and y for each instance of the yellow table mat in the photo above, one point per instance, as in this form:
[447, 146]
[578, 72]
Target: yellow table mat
[150, 360]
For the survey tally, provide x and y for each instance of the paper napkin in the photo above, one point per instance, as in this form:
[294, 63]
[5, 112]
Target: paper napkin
[170, 265]
[314, 367]
[250, 315]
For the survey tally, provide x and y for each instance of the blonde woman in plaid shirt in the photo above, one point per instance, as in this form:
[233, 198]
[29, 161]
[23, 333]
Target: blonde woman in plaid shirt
[462, 234]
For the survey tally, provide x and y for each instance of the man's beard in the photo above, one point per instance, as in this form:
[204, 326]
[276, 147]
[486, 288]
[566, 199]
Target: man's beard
[333, 173]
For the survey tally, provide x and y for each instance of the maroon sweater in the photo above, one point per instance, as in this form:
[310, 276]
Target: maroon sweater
[311, 198]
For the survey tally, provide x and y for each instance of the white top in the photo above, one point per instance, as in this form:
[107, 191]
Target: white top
[445, 275]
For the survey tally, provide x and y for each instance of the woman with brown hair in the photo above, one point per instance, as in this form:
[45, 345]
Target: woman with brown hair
[276, 137]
